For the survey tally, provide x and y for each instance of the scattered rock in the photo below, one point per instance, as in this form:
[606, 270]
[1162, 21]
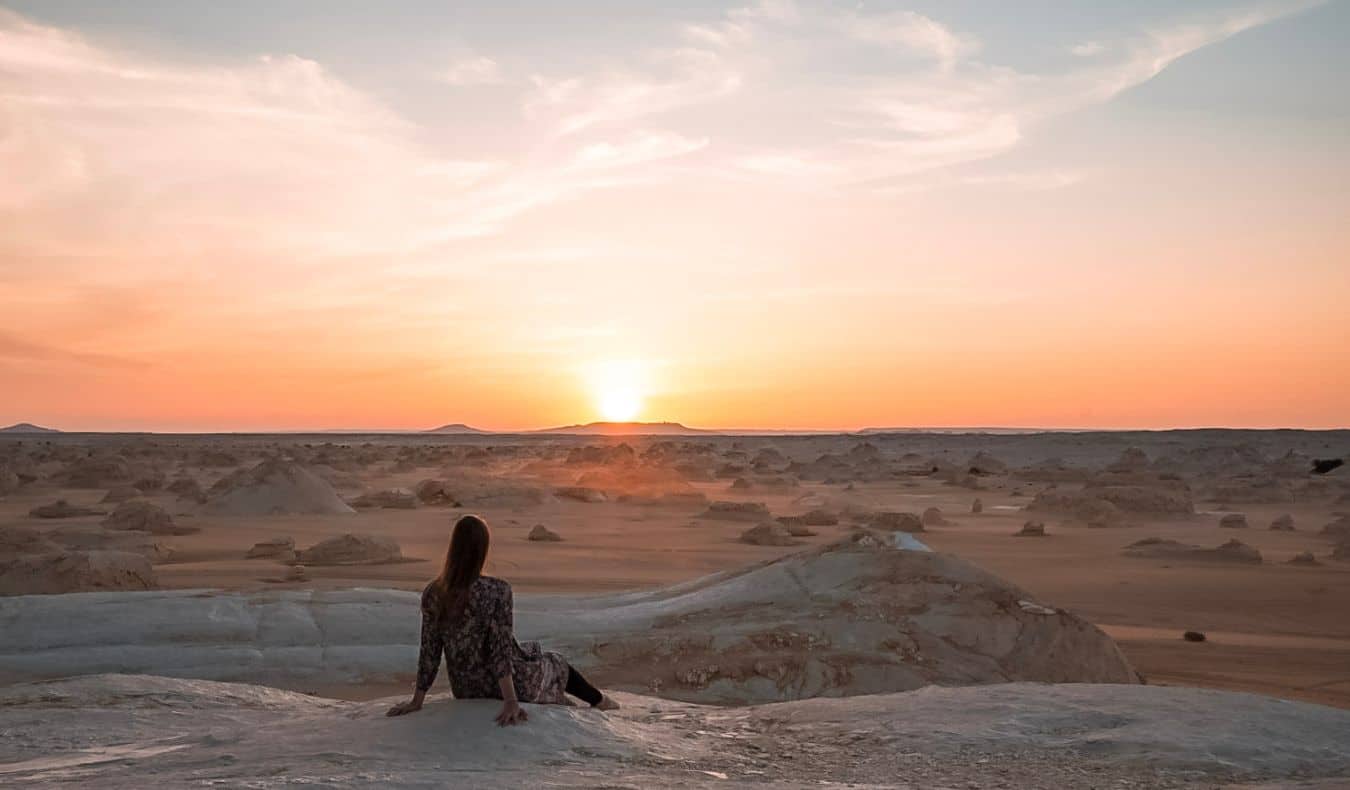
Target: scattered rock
[188, 489]
[1193, 636]
[1283, 523]
[24, 540]
[75, 571]
[1031, 529]
[297, 573]
[351, 549]
[543, 534]
[390, 498]
[581, 494]
[118, 494]
[1304, 558]
[281, 548]
[768, 535]
[1233, 521]
[145, 516]
[932, 517]
[737, 511]
[1233, 551]
[1340, 528]
[977, 507]
[435, 492]
[819, 518]
[62, 509]
[796, 526]
[983, 463]
[896, 521]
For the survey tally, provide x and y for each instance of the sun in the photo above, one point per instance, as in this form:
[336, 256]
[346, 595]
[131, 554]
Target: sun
[620, 405]
[618, 389]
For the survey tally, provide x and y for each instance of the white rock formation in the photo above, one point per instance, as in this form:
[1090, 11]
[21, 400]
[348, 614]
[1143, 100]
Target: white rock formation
[274, 487]
[856, 617]
[126, 731]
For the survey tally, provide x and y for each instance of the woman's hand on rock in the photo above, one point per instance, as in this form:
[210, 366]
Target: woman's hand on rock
[511, 713]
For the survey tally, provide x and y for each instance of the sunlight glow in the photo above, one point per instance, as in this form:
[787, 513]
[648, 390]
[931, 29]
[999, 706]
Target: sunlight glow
[618, 388]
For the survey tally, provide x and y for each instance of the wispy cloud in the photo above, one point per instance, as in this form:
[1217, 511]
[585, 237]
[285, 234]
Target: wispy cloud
[473, 70]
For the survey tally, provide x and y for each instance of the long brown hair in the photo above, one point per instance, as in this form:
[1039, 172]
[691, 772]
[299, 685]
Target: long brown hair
[463, 565]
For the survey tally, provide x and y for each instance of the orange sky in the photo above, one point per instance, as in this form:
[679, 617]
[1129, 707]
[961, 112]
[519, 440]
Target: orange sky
[717, 222]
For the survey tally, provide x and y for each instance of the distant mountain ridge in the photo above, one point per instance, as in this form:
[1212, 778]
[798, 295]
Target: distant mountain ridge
[456, 427]
[626, 429]
[27, 427]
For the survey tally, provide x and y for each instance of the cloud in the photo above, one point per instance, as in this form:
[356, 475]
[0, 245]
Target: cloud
[673, 79]
[1087, 49]
[473, 70]
[14, 348]
[910, 30]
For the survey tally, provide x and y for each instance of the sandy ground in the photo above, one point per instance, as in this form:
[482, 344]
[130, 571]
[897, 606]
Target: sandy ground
[1273, 628]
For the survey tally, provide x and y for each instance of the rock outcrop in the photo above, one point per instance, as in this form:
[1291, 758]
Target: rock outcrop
[274, 487]
[351, 549]
[145, 516]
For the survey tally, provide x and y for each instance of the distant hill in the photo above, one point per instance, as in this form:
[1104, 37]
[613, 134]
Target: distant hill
[456, 427]
[27, 427]
[627, 429]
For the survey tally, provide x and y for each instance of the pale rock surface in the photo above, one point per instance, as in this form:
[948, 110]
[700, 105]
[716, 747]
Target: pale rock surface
[856, 617]
[127, 731]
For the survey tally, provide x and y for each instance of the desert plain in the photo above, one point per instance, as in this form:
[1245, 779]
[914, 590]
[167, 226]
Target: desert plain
[1141, 536]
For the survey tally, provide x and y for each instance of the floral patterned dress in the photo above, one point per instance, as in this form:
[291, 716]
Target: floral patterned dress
[482, 647]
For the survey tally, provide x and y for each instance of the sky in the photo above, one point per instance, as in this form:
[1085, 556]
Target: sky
[320, 214]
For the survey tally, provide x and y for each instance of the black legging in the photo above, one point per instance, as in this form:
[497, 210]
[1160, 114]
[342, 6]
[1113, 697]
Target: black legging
[582, 690]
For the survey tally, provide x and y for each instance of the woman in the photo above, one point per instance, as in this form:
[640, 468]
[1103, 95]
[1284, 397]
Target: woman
[468, 617]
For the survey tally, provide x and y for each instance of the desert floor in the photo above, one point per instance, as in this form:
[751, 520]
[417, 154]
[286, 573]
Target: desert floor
[1273, 628]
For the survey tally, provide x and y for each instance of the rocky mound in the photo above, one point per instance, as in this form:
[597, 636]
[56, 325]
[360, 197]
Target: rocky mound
[62, 509]
[855, 617]
[737, 511]
[581, 494]
[23, 540]
[543, 534]
[1283, 523]
[281, 548]
[435, 492]
[1252, 491]
[118, 494]
[932, 517]
[74, 571]
[894, 521]
[768, 535]
[274, 487]
[1234, 551]
[91, 538]
[1031, 529]
[145, 516]
[352, 549]
[390, 498]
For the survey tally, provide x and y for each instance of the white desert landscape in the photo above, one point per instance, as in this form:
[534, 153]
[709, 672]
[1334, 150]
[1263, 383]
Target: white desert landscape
[881, 609]
[719, 394]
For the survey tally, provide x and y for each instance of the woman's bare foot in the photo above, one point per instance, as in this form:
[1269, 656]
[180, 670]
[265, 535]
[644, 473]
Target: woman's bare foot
[607, 703]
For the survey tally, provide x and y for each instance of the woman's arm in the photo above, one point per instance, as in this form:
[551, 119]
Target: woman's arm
[500, 642]
[511, 712]
[428, 658]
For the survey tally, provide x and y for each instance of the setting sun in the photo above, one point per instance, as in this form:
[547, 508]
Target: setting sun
[618, 388]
